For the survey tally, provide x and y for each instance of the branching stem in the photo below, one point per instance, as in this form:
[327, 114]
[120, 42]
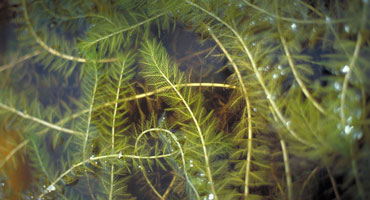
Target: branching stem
[118, 156]
[173, 136]
[40, 121]
[247, 103]
[295, 73]
[21, 59]
[53, 51]
[300, 21]
[196, 123]
[258, 75]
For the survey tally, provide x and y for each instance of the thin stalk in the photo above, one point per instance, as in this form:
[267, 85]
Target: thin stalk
[90, 110]
[65, 18]
[344, 90]
[307, 181]
[126, 28]
[139, 96]
[21, 59]
[53, 51]
[40, 121]
[335, 187]
[113, 127]
[347, 77]
[295, 73]
[169, 187]
[12, 152]
[287, 170]
[247, 103]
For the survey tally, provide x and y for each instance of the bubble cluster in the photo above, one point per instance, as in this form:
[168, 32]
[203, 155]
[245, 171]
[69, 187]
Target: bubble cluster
[191, 163]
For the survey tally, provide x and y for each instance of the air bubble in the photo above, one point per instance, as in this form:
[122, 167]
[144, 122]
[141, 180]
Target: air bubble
[2, 184]
[271, 19]
[267, 68]
[52, 25]
[327, 19]
[339, 126]
[357, 135]
[211, 197]
[275, 76]
[336, 110]
[50, 188]
[255, 109]
[191, 163]
[346, 28]
[293, 26]
[120, 155]
[358, 113]
[202, 174]
[92, 157]
[288, 123]
[337, 86]
[345, 69]
[280, 67]
[349, 119]
[348, 129]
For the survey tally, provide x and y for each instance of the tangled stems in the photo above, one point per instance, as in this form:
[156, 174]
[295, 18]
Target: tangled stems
[174, 138]
[119, 156]
[258, 75]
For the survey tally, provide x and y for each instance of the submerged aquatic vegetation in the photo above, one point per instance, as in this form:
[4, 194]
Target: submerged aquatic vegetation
[262, 99]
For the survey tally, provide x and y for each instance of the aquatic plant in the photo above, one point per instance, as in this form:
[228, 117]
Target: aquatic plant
[187, 99]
